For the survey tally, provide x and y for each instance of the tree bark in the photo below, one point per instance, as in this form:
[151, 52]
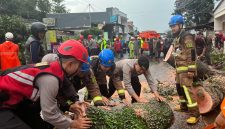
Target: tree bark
[211, 94]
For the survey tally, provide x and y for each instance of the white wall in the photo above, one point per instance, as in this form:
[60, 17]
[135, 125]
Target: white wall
[218, 24]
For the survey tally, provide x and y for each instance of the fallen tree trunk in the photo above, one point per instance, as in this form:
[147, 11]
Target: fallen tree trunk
[211, 94]
[152, 115]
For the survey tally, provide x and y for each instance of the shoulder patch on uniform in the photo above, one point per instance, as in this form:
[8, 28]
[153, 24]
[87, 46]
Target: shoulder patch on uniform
[41, 64]
[189, 43]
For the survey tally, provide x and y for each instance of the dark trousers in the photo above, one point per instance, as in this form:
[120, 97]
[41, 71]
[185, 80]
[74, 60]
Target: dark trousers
[8, 120]
[104, 90]
[135, 84]
[29, 112]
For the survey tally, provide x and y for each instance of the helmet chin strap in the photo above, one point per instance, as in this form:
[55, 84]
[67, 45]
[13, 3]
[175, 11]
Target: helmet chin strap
[178, 32]
[60, 61]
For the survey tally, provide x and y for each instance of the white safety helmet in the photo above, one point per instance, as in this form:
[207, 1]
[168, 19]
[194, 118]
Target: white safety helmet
[9, 35]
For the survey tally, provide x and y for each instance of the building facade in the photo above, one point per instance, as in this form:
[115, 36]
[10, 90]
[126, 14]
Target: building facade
[113, 21]
[219, 16]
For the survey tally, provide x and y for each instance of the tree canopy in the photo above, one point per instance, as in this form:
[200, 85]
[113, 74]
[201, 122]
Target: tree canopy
[32, 9]
[195, 12]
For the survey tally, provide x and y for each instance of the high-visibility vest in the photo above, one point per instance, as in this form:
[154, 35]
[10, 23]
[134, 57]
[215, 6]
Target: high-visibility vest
[142, 42]
[9, 57]
[19, 83]
[103, 44]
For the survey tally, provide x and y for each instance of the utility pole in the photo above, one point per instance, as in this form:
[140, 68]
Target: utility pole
[89, 8]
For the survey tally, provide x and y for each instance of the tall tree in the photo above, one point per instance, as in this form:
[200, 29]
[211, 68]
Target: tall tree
[196, 12]
[23, 8]
[59, 7]
[14, 24]
[44, 6]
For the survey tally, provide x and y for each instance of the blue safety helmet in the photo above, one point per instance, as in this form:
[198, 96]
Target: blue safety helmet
[176, 19]
[85, 67]
[106, 57]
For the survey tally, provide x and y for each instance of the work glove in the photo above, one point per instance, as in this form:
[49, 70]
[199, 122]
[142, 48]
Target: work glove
[121, 93]
[99, 103]
[122, 96]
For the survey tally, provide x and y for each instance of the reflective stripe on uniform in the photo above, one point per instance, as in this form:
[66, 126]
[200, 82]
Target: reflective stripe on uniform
[191, 66]
[121, 91]
[189, 43]
[24, 75]
[182, 101]
[97, 98]
[181, 69]
[190, 103]
[20, 79]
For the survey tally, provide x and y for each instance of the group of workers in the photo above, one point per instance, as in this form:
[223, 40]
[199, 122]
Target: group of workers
[35, 95]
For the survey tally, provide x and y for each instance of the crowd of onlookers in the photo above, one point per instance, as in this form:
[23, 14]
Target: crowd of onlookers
[155, 48]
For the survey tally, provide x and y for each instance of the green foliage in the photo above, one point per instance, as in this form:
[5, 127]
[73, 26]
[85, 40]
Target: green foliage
[154, 115]
[14, 24]
[93, 31]
[58, 7]
[118, 119]
[217, 57]
[157, 115]
[32, 9]
[44, 6]
[24, 8]
[195, 11]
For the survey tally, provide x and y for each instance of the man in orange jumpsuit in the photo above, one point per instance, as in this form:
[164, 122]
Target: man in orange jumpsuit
[9, 53]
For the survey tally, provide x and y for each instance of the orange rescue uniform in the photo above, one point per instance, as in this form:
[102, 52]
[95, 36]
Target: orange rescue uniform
[9, 55]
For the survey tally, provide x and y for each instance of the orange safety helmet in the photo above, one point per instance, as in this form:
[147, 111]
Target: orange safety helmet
[75, 49]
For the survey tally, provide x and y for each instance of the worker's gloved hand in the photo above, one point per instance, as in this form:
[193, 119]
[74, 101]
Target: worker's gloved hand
[122, 96]
[121, 93]
[99, 103]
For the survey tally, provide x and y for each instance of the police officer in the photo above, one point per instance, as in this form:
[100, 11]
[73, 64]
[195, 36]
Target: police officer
[85, 78]
[128, 70]
[185, 62]
[42, 81]
[34, 49]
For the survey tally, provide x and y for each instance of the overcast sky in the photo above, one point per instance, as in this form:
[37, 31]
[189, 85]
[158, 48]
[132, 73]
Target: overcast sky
[146, 14]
